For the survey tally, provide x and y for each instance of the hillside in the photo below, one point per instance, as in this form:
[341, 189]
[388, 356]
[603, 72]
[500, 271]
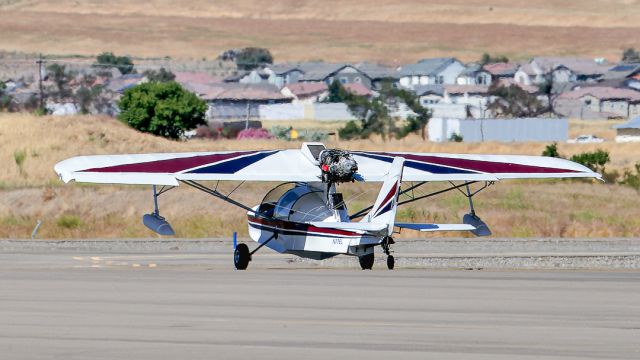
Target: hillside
[383, 30]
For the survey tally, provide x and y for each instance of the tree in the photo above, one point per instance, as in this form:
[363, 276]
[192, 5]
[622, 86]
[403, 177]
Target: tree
[122, 63]
[252, 57]
[5, 99]
[631, 55]
[513, 101]
[337, 93]
[162, 75]
[164, 109]
[90, 97]
[488, 59]
[375, 118]
[61, 78]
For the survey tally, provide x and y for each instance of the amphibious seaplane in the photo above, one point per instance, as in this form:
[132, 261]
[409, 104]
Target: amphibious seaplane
[306, 215]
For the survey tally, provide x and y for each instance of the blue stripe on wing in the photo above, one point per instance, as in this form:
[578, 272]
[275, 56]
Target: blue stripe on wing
[432, 168]
[232, 166]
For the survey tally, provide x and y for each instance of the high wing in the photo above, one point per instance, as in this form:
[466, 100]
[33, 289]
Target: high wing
[467, 167]
[301, 166]
[168, 169]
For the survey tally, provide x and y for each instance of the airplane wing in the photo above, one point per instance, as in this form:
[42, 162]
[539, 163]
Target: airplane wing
[167, 169]
[302, 166]
[372, 166]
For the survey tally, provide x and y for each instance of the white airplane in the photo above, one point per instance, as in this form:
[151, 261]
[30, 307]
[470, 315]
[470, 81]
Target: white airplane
[306, 215]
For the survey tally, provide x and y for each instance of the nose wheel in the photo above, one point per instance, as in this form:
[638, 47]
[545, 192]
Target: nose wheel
[386, 247]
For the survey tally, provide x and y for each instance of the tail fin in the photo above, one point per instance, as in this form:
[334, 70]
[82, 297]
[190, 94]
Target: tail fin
[384, 209]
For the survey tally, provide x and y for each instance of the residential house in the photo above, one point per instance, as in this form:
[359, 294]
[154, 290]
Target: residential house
[475, 98]
[306, 93]
[327, 73]
[379, 74]
[191, 80]
[501, 71]
[239, 101]
[474, 74]
[119, 85]
[358, 89]
[283, 74]
[633, 82]
[560, 70]
[629, 131]
[622, 71]
[597, 102]
[437, 71]
[429, 94]
[627, 74]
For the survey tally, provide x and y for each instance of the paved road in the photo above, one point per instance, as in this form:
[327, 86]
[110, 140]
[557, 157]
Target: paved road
[64, 305]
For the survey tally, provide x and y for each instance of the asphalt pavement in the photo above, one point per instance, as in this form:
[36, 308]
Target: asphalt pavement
[79, 300]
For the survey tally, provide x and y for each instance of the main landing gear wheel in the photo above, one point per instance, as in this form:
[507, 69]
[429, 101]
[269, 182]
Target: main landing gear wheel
[241, 256]
[366, 261]
[386, 247]
[391, 262]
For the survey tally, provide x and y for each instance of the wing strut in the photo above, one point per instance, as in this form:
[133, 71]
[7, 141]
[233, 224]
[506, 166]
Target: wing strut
[214, 192]
[413, 198]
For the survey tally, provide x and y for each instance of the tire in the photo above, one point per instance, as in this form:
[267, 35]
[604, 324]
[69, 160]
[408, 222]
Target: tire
[241, 257]
[391, 262]
[366, 261]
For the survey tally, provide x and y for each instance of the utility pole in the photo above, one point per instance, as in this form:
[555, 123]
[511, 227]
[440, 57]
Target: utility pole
[40, 62]
[246, 123]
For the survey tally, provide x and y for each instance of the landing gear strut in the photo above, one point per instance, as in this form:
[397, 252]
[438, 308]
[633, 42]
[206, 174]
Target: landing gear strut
[242, 255]
[386, 246]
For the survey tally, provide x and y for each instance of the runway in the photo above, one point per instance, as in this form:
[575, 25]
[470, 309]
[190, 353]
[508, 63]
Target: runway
[108, 305]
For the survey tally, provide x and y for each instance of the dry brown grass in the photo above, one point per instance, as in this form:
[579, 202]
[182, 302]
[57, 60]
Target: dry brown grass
[525, 208]
[383, 30]
[47, 140]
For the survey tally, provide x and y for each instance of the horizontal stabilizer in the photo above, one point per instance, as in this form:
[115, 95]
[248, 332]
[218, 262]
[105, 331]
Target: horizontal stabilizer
[436, 227]
[358, 227]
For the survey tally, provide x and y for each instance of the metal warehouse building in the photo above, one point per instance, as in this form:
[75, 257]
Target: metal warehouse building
[502, 130]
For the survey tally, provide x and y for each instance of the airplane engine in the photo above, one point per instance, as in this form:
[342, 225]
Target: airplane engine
[337, 166]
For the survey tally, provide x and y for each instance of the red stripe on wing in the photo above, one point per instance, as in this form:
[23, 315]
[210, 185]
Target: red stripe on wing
[481, 165]
[170, 165]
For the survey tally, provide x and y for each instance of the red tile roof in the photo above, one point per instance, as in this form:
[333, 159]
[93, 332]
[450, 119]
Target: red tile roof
[500, 68]
[306, 89]
[357, 89]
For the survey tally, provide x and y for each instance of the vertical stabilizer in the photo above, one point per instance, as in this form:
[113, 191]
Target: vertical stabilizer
[384, 209]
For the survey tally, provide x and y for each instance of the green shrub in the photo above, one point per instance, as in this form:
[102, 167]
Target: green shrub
[19, 156]
[551, 150]
[631, 179]
[350, 131]
[595, 161]
[68, 221]
[455, 138]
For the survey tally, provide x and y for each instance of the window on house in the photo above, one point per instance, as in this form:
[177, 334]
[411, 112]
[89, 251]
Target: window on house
[344, 80]
[357, 79]
[587, 102]
[440, 79]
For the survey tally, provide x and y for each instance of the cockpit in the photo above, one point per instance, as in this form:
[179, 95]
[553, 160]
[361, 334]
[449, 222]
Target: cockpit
[297, 202]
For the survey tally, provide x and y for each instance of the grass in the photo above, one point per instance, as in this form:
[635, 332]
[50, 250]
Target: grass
[382, 30]
[512, 208]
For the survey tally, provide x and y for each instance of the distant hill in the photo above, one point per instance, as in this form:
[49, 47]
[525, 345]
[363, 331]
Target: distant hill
[392, 31]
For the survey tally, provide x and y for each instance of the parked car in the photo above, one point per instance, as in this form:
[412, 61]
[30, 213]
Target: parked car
[585, 139]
